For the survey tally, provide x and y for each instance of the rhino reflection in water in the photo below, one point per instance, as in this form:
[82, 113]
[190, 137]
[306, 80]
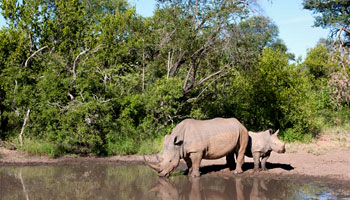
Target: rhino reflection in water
[194, 140]
[198, 189]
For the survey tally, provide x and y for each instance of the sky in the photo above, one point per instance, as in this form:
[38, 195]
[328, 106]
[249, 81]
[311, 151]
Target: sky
[295, 24]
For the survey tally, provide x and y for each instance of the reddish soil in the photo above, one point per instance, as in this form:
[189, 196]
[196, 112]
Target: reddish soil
[328, 157]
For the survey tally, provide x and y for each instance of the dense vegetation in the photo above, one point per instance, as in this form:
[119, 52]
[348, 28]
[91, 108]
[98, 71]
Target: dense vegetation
[87, 76]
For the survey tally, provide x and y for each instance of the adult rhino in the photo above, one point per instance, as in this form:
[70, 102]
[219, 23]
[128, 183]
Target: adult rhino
[194, 140]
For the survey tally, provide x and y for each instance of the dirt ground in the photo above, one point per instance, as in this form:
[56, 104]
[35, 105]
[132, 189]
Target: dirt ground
[327, 157]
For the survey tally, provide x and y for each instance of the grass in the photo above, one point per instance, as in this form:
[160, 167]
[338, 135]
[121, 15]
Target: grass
[340, 130]
[175, 174]
[331, 138]
[151, 146]
[129, 146]
[40, 148]
[123, 147]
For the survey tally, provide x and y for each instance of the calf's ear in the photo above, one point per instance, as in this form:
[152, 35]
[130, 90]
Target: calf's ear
[177, 141]
[270, 131]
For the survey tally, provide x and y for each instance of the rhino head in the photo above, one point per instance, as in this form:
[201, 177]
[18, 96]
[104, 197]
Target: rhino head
[276, 144]
[171, 156]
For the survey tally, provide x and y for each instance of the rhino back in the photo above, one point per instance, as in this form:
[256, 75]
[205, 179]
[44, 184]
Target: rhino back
[260, 142]
[216, 137]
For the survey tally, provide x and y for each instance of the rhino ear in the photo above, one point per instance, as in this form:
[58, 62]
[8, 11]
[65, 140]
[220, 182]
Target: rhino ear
[270, 131]
[178, 141]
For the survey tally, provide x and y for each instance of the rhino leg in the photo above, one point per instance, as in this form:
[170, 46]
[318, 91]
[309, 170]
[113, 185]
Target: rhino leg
[230, 161]
[241, 149]
[263, 161]
[256, 157]
[189, 165]
[196, 162]
[240, 161]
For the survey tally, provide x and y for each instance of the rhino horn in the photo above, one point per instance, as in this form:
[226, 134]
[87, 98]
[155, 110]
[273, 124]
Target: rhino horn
[277, 131]
[154, 166]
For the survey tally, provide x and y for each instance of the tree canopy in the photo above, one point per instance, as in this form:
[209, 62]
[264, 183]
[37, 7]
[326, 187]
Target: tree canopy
[95, 77]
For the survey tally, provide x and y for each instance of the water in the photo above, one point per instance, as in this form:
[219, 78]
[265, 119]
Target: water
[111, 181]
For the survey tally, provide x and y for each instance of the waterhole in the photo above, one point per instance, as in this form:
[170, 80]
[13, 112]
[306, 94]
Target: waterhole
[114, 181]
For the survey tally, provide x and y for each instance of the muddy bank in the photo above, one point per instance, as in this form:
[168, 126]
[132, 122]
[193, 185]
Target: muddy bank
[326, 158]
[17, 158]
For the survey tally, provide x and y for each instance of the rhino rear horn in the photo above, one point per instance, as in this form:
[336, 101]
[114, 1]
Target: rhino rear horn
[277, 132]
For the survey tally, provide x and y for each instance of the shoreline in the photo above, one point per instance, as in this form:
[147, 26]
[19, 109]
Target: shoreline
[327, 158]
[298, 165]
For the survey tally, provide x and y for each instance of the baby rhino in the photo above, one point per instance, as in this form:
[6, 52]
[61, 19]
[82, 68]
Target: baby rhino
[261, 144]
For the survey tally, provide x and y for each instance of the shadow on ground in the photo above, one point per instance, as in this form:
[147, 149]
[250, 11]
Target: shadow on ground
[246, 166]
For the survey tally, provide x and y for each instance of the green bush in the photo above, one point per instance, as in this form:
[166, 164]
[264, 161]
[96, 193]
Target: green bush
[111, 82]
[293, 134]
[275, 95]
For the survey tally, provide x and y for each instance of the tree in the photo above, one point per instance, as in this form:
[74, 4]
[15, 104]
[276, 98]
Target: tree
[193, 32]
[98, 78]
[334, 14]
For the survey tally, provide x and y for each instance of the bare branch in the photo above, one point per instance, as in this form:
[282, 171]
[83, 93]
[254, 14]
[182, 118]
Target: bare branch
[70, 95]
[205, 79]
[204, 48]
[214, 74]
[96, 49]
[187, 76]
[200, 94]
[24, 124]
[168, 72]
[75, 63]
[344, 29]
[166, 38]
[143, 71]
[178, 63]
[31, 56]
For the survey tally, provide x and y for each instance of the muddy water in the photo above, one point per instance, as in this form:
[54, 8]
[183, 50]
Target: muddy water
[111, 181]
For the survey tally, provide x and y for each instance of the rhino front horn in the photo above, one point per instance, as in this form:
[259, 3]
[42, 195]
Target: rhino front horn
[155, 167]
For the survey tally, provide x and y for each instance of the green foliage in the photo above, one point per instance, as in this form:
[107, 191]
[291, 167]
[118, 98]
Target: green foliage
[317, 62]
[151, 146]
[99, 79]
[277, 95]
[330, 12]
[286, 92]
[293, 134]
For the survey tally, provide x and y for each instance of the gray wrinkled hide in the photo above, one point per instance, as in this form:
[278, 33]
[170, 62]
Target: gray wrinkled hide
[194, 140]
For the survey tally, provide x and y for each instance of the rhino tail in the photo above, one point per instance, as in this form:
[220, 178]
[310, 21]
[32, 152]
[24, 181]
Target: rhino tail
[241, 148]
